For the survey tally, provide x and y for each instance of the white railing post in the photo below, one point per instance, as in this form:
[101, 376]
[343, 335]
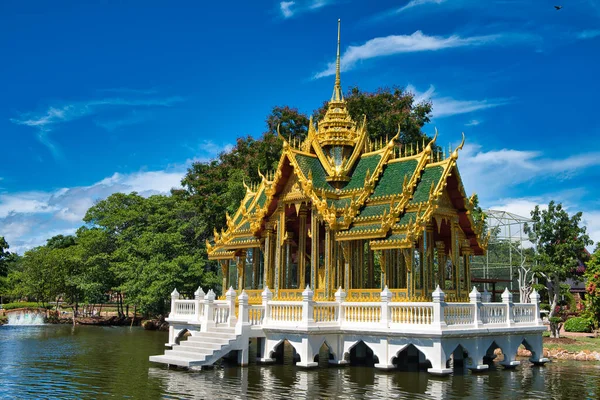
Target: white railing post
[486, 296]
[308, 305]
[267, 296]
[438, 297]
[340, 297]
[199, 298]
[174, 297]
[207, 320]
[507, 298]
[534, 298]
[386, 297]
[475, 299]
[230, 298]
[243, 309]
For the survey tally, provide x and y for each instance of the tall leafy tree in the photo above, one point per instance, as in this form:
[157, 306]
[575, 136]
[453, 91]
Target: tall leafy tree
[592, 275]
[4, 257]
[560, 241]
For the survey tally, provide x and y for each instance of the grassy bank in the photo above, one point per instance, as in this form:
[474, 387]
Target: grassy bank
[574, 345]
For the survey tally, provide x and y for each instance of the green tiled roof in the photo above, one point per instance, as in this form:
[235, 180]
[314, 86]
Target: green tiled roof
[396, 236]
[392, 178]
[364, 228]
[431, 174]
[407, 217]
[262, 198]
[313, 164]
[241, 239]
[357, 180]
[340, 203]
[372, 211]
[245, 226]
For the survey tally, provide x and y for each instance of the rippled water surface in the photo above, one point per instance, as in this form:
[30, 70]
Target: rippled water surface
[49, 362]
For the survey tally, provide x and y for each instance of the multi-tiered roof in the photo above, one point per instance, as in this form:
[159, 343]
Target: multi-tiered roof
[380, 191]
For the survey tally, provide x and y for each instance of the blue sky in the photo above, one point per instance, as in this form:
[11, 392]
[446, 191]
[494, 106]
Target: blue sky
[103, 97]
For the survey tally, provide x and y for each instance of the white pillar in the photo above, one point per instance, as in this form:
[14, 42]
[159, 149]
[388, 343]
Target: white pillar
[243, 310]
[475, 300]
[208, 318]
[507, 298]
[308, 307]
[199, 299]
[174, 296]
[230, 298]
[438, 297]
[267, 296]
[534, 298]
[340, 297]
[386, 297]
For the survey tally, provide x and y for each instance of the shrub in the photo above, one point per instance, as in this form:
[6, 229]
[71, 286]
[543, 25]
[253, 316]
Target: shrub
[546, 334]
[12, 306]
[545, 306]
[578, 324]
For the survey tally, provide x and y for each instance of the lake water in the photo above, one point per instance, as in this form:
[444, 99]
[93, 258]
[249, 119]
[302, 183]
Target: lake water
[54, 361]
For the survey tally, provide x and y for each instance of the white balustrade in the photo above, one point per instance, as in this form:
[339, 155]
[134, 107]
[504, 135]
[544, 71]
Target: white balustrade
[524, 313]
[220, 313]
[493, 313]
[325, 311]
[285, 311]
[255, 314]
[360, 312]
[383, 315]
[458, 314]
[411, 313]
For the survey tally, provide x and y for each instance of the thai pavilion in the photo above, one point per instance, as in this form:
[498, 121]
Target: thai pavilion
[351, 240]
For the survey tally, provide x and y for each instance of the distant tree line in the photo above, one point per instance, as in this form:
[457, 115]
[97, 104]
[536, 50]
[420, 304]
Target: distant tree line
[138, 249]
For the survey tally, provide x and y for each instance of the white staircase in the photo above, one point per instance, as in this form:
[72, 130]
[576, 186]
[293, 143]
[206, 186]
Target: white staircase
[203, 349]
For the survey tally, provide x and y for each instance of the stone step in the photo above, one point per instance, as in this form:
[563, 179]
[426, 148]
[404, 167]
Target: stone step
[208, 339]
[195, 350]
[201, 345]
[212, 335]
[227, 330]
[173, 360]
[191, 356]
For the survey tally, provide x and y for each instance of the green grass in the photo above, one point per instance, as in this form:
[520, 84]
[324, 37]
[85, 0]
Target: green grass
[12, 306]
[580, 344]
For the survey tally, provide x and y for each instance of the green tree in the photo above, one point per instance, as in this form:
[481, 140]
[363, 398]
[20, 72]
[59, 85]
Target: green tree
[214, 187]
[592, 276]
[4, 257]
[560, 242]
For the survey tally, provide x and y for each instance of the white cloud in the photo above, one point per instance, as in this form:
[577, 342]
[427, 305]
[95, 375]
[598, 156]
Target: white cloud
[290, 9]
[447, 106]
[473, 122]
[417, 42]
[497, 174]
[286, 8]
[27, 219]
[416, 3]
[54, 115]
[588, 34]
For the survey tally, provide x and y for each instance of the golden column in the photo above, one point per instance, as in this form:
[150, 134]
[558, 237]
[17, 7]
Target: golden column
[241, 270]
[302, 233]
[371, 261]
[441, 258]
[278, 246]
[314, 248]
[225, 271]
[255, 266]
[268, 252]
[328, 263]
[455, 248]
[383, 265]
[409, 256]
[428, 247]
[466, 253]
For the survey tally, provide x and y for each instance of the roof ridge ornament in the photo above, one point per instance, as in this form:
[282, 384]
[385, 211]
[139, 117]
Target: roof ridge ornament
[337, 88]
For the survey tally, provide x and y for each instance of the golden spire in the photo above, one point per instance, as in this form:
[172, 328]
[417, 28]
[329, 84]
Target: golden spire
[337, 89]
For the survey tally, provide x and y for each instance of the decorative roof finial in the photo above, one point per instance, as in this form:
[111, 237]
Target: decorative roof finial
[337, 89]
